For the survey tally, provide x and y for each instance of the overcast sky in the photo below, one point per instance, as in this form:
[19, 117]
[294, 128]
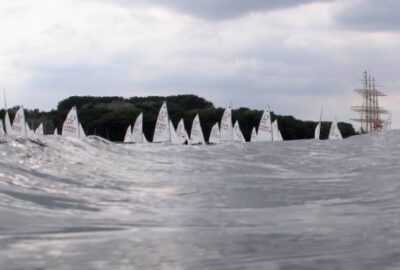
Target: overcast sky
[293, 55]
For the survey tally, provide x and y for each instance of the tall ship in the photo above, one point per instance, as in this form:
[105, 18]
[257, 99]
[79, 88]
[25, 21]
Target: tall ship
[370, 114]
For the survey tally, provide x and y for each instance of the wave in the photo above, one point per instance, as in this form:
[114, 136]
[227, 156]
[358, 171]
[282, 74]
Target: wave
[67, 203]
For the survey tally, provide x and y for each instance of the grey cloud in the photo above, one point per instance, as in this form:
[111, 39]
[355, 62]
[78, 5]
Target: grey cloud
[371, 15]
[220, 9]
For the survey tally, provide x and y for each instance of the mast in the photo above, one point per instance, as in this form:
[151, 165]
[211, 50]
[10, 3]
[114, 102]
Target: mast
[320, 117]
[370, 112]
[5, 99]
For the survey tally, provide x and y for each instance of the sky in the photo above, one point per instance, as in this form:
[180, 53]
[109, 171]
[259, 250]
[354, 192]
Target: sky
[295, 56]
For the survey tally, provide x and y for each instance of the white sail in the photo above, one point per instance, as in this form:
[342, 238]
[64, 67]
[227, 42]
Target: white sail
[196, 134]
[29, 131]
[181, 133]
[55, 132]
[2, 132]
[276, 134]
[265, 127]
[39, 131]
[71, 124]
[174, 137]
[280, 138]
[317, 131]
[19, 124]
[226, 126]
[237, 133]
[215, 136]
[7, 124]
[82, 133]
[128, 135]
[162, 132]
[253, 135]
[334, 132]
[137, 131]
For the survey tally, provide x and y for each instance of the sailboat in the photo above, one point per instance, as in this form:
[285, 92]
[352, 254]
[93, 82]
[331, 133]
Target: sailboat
[29, 131]
[182, 133]
[226, 126]
[137, 131]
[128, 135]
[162, 131]
[253, 137]
[276, 134]
[237, 133]
[317, 132]
[7, 124]
[55, 132]
[215, 136]
[174, 137]
[71, 126]
[19, 126]
[265, 127]
[82, 133]
[144, 139]
[196, 134]
[39, 131]
[334, 132]
[2, 132]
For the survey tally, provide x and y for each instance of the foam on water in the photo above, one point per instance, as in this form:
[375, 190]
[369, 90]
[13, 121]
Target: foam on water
[71, 204]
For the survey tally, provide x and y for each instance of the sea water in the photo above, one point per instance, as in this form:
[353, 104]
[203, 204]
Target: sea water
[93, 204]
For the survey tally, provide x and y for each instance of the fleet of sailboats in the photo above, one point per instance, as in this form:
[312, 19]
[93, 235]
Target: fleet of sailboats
[135, 134]
[334, 132]
[165, 131]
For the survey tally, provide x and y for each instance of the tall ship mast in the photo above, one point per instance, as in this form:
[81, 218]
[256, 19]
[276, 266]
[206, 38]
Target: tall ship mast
[370, 113]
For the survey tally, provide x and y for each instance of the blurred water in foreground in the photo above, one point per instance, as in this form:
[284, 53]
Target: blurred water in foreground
[69, 204]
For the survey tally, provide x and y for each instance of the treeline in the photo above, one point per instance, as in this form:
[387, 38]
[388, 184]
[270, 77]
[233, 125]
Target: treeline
[109, 117]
